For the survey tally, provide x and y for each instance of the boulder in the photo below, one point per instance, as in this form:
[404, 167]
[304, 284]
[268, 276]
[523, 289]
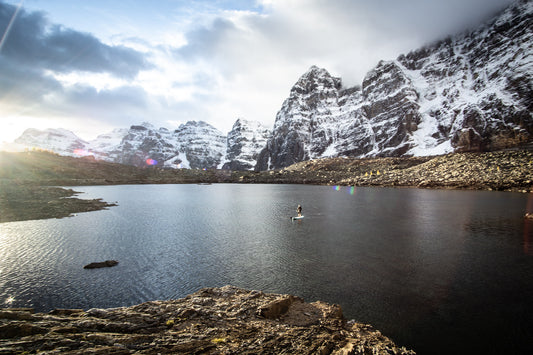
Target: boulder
[97, 265]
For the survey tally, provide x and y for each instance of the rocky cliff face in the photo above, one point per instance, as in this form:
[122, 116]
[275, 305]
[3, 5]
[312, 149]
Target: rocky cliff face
[306, 122]
[475, 90]
[471, 92]
[244, 142]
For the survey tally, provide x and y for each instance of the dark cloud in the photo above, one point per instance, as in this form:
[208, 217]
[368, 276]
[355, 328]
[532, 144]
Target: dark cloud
[33, 42]
[21, 84]
[35, 50]
[422, 19]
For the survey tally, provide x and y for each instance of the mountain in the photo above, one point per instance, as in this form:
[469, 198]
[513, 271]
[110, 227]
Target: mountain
[244, 142]
[194, 145]
[144, 145]
[203, 145]
[104, 144]
[57, 140]
[470, 92]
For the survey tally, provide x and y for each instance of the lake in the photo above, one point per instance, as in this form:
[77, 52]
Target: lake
[438, 271]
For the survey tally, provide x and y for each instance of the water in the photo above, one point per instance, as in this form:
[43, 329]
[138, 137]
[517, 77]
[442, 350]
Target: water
[438, 271]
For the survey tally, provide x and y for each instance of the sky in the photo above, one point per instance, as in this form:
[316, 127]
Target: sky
[92, 66]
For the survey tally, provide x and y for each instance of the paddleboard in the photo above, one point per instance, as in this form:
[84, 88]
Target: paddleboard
[300, 217]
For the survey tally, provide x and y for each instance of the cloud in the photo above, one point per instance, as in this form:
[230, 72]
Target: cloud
[33, 42]
[347, 37]
[250, 60]
[35, 58]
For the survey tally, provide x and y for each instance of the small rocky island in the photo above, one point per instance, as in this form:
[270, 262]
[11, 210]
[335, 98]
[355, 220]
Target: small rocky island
[226, 320]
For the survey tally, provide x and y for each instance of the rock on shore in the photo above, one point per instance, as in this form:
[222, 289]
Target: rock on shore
[502, 171]
[226, 320]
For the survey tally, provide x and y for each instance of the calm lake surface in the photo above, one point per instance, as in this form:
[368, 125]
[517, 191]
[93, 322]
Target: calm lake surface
[437, 271]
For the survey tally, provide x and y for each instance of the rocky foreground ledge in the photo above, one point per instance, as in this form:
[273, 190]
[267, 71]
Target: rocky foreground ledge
[226, 320]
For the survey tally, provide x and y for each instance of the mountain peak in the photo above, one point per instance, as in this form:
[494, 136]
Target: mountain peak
[315, 79]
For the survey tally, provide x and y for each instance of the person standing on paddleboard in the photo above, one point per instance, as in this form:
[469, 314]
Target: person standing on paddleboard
[299, 210]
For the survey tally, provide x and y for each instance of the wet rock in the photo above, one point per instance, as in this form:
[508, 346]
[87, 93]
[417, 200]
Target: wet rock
[107, 263]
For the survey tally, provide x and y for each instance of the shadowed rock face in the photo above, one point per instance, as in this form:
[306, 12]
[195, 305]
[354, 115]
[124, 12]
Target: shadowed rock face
[212, 321]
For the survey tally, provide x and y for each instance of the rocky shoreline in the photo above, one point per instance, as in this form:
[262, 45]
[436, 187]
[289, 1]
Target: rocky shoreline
[25, 177]
[510, 170]
[26, 202]
[500, 171]
[226, 320]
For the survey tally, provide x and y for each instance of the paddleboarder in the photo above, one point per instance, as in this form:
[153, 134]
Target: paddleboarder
[299, 210]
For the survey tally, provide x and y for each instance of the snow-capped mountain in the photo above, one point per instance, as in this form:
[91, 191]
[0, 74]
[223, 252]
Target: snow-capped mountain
[58, 140]
[203, 145]
[244, 142]
[102, 146]
[144, 145]
[470, 92]
[194, 145]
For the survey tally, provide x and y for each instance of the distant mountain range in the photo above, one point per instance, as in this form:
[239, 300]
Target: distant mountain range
[470, 92]
[194, 145]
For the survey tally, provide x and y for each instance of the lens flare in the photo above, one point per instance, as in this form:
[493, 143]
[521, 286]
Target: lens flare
[10, 24]
[352, 190]
[82, 152]
[336, 188]
[151, 161]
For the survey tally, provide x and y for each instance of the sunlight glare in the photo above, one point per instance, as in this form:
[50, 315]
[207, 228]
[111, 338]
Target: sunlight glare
[82, 152]
[100, 81]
